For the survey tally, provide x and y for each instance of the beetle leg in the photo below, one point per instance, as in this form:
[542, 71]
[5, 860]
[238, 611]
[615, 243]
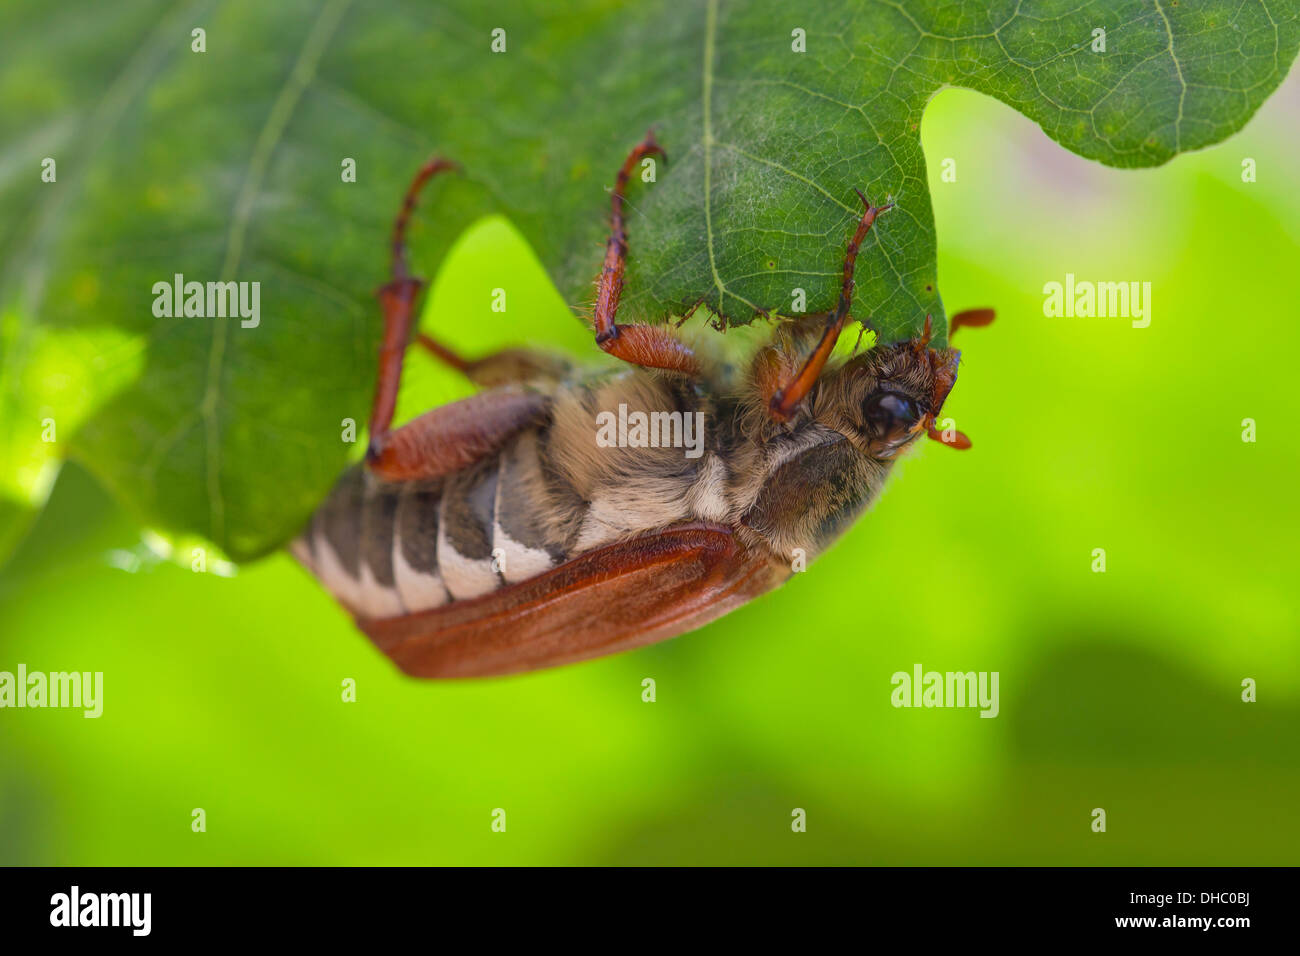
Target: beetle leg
[650, 346]
[452, 437]
[508, 366]
[789, 387]
[397, 298]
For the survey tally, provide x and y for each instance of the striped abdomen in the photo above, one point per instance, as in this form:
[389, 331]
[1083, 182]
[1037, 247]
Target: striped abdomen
[388, 549]
[555, 491]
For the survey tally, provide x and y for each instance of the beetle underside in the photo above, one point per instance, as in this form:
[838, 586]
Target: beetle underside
[521, 528]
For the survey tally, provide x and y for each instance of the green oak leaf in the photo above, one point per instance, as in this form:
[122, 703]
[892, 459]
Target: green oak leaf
[225, 164]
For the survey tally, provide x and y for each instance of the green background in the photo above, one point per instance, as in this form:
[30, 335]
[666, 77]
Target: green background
[1118, 690]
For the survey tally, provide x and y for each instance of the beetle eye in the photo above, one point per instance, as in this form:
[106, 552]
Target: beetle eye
[890, 412]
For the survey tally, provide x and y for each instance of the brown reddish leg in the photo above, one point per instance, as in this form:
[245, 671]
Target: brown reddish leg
[397, 299]
[452, 437]
[506, 367]
[788, 390]
[447, 438]
[650, 346]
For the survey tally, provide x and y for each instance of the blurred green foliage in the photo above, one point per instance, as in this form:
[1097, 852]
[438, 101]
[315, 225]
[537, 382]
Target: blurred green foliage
[1118, 690]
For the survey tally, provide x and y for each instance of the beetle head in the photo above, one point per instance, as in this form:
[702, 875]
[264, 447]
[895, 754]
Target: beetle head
[893, 394]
